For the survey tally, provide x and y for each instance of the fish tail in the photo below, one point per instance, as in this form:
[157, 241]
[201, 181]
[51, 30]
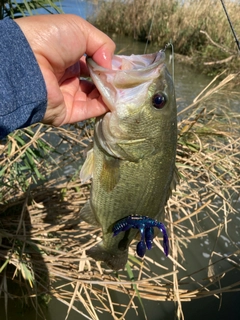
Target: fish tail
[115, 261]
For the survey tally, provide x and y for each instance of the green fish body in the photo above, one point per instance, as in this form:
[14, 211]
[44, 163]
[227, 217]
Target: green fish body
[132, 162]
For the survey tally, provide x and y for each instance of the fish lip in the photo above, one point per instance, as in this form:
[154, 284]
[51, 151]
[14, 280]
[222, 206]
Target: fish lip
[149, 63]
[92, 65]
[156, 58]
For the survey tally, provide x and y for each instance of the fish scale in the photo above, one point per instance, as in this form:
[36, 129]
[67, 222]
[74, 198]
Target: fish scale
[132, 162]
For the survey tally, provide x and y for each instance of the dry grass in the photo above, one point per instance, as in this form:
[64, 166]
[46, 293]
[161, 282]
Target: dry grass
[194, 30]
[43, 240]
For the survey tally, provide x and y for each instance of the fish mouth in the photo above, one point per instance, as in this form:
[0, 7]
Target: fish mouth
[127, 72]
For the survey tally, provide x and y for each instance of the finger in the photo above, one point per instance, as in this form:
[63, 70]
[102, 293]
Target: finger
[86, 109]
[81, 102]
[87, 86]
[64, 39]
[70, 72]
[103, 57]
[89, 89]
[98, 45]
[84, 68]
[80, 68]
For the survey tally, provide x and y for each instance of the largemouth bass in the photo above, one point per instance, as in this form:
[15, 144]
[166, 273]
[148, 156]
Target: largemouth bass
[132, 162]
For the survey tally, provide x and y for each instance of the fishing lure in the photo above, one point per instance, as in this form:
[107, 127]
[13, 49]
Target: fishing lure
[145, 225]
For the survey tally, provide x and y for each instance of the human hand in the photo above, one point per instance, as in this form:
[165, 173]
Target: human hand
[59, 43]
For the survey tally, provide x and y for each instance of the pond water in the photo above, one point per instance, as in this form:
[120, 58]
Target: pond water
[188, 84]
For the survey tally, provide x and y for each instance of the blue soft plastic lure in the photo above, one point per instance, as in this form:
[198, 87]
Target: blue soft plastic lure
[145, 225]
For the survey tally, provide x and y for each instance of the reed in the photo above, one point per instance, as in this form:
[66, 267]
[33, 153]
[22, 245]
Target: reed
[14, 9]
[195, 30]
[43, 240]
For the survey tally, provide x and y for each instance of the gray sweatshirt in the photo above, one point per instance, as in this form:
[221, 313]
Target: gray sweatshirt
[23, 94]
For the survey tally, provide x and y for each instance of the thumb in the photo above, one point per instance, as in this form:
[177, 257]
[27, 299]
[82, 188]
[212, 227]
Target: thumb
[62, 39]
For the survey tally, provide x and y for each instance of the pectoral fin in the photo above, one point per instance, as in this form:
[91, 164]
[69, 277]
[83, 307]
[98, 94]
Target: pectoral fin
[110, 173]
[87, 168]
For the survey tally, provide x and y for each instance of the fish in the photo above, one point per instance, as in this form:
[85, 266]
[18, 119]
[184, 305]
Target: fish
[132, 162]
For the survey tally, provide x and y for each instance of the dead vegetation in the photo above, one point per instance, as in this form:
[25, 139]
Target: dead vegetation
[196, 32]
[43, 240]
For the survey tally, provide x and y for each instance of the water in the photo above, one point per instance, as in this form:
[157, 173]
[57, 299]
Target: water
[78, 7]
[188, 84]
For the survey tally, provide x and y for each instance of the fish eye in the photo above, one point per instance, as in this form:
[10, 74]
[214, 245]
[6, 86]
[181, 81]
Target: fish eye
[159, 100]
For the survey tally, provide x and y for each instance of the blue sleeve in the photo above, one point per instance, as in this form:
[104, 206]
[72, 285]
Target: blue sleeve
[23, 93]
